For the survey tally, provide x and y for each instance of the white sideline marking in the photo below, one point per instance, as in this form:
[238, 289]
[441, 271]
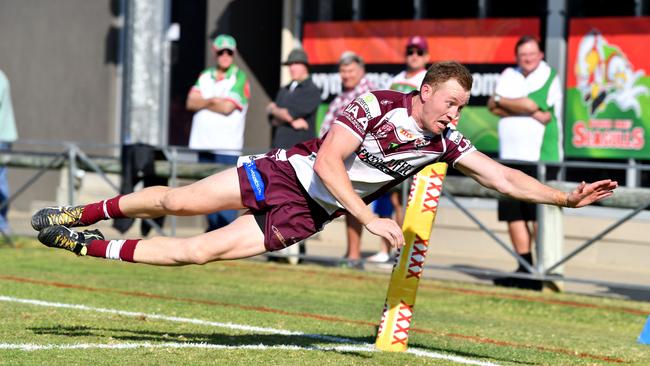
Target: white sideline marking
[357, 347]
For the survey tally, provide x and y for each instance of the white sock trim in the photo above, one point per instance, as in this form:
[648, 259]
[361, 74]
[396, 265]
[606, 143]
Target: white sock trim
[106, 215]
[113, 249]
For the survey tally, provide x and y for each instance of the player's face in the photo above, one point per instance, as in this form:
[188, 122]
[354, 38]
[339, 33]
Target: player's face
[443, 105]
[351, 75]
[416, 59]
[225, 58]
[298, 71]
[529, 56]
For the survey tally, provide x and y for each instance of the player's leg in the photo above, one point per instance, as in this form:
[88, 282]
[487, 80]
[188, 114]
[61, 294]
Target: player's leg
[242, 238]
[217, 192]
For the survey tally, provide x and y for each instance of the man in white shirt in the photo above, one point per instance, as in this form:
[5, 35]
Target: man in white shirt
[528, 99]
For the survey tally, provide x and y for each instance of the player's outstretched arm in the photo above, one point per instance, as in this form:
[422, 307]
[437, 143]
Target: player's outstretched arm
[337, 146]
[518, 185]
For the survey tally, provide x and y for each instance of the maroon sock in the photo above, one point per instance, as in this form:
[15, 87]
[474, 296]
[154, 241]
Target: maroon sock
[113, 249]
[102, 210]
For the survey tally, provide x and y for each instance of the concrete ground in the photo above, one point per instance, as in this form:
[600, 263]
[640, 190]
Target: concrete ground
[458, 245]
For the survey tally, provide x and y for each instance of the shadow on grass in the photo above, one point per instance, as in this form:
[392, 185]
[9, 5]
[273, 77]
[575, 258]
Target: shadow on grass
[216, 338]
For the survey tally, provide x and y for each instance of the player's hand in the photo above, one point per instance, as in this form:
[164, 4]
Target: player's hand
[300, 124]
[586, 194]
[387, 229]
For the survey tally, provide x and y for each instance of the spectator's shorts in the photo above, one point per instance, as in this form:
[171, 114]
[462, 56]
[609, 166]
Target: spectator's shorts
[383, 206]
[511, 210]
[283, 210]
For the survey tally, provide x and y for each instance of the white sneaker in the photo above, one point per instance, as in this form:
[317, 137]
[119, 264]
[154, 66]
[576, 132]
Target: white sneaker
[379, 257]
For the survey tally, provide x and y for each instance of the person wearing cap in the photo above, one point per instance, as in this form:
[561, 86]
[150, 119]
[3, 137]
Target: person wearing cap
[293, 112]
[220, 99]
[416, 54]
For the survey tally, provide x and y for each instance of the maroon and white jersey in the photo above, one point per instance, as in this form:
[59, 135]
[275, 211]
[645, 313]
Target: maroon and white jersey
[392, 148]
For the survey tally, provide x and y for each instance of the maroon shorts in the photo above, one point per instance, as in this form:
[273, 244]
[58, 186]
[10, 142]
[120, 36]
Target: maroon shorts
[270, 189]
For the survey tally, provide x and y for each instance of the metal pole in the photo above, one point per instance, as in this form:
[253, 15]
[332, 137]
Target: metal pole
[618, 223]
[356, 9]
[417, 9]
[555, 41]
[631, 174]
[174, 181]
[539, 241]
[505, 246]
[164, 82]
[72, 169]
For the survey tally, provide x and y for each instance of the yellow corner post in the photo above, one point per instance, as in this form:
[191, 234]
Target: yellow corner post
[420, 214]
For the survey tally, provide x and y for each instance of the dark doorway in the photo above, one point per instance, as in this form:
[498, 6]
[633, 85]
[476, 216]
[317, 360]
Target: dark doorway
[188, 60]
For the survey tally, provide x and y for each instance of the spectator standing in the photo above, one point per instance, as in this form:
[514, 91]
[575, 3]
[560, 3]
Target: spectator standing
[220, 99]
[293, 112]
[8, 134]
[352, 71]
[416, 57]
[528, 99]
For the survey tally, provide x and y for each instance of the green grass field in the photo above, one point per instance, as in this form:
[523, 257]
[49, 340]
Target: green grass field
[253, 312]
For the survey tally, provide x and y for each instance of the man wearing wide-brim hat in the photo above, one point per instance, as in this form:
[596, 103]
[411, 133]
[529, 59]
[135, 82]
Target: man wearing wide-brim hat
[293, 113]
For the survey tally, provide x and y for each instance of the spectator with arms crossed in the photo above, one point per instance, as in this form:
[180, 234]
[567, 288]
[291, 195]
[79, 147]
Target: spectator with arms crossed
[528, 99]
[220, 100]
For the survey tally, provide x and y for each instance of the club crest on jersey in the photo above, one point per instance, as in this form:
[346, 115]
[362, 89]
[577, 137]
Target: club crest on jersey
[384, 129]
[421, 142]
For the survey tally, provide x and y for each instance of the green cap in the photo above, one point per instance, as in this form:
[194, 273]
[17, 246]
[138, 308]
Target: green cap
[224, 41]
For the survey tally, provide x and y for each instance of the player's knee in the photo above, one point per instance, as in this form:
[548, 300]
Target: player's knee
[172, 202]
[200, 254]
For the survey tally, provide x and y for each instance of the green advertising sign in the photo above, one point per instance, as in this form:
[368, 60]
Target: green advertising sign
[608, 89]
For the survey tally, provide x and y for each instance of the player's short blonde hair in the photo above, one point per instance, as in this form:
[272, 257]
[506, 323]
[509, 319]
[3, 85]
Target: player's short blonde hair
[440, 72]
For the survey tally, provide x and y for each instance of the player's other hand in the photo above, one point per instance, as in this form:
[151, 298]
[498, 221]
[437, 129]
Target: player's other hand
[388, 229]
[586, 194]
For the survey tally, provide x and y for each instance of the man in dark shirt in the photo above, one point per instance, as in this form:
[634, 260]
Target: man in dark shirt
[293, 114]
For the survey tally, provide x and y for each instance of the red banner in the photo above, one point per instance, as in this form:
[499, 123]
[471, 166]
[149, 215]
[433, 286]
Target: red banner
[474, 41]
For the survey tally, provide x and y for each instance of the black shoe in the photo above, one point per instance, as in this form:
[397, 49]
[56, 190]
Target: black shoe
[57, 215]
[522, 283]
[61, 237]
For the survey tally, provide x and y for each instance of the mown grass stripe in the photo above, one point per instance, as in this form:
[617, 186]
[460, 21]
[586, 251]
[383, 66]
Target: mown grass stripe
[361, 347]
[474, 339]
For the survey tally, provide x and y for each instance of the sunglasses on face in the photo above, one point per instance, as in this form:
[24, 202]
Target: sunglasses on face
[412, 51]
[227, 51]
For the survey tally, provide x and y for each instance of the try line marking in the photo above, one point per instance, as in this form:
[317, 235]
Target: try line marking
[355, 347]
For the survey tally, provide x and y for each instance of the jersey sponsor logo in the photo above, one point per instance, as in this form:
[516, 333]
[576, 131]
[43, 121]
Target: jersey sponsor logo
[353, 109]
[351, 112]
[394, 168]
[454, 136]
[405, 133]
[285, 242]
[255, 180]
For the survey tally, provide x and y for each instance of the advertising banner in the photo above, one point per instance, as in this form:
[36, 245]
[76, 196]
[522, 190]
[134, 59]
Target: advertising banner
[485, 46]
[608, 88]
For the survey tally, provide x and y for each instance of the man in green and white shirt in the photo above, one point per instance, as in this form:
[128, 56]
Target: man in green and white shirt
[220, 99]
[528, 99]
